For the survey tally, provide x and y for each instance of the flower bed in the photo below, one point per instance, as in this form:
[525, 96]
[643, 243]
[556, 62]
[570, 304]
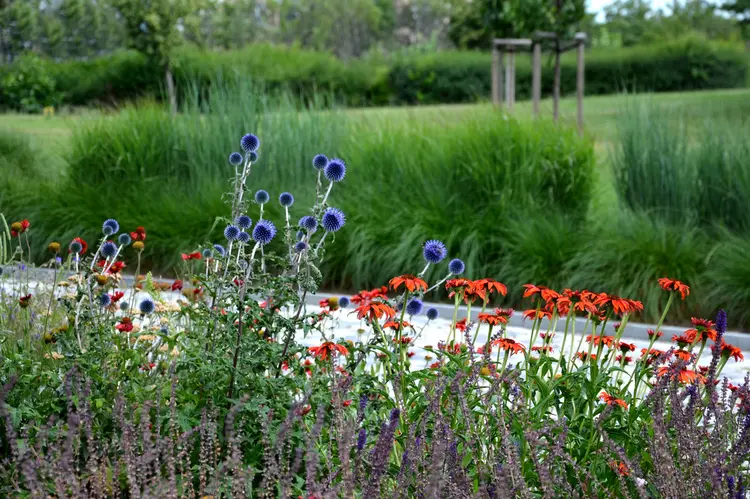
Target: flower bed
[237, 389]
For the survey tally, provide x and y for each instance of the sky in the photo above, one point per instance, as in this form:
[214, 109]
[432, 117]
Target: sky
[598, 5]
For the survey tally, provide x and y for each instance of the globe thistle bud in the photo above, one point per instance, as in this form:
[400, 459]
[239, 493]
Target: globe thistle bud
[262, 197]
[243, 237]
[104, 300]
[110, 227]
[319, 161]
[286, 199]
[456, 266]
[432, 313]
[309, 223]
[333, 220]
[75, 247]
[109, 249]
[414, 306]
[147, 306]
[264, 232]
[344, 302]
[434, 251]
[231, 232]
[235, 159]
[250, 143]
[335, 170]
[124, 239]
[207, 253]
[300, 246]
[243, 221]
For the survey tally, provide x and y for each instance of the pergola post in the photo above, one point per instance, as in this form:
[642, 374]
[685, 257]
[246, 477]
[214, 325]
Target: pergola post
[536, 77]
[497, 76]
[581, 39]
[499, 49]
[510, 90]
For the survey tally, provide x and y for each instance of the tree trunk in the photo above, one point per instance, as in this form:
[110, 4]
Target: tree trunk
[171, 90]
[556, 85]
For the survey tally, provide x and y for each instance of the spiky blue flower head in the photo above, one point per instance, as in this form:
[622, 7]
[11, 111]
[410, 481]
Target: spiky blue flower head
[146, 306]
[243, 237]
[333, 219]
[207, 253]
[432, 313]
[264, 231]
[109, 249]
[300, 246]
[434, 251]
[320, 161]
[456, 266]
[220, 249]
[250, 143]
[344, 301]
[335, 170]
[262, 197]
[75, 247]
[721, 322]
[231, 232]
[124, 306]
[286, 199]
[414, 307]
[361, 439]
[300, 235]
[104, 300]
[252, 156]
[235, 159]
[243, 221]
[124, 239]
[309, 223]
[110, 227]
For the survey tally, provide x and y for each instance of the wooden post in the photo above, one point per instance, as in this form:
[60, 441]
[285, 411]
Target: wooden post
[581, 37]
[536, 77]
[496, 77]
[508, 81]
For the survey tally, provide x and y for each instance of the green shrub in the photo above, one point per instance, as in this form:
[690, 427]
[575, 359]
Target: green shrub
[27, 85]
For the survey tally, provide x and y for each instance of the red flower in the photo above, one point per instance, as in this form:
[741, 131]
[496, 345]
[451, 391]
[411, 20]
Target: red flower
[396, 324]
[24, 301]
[685, 339]
[346, 403]
[374, 310]
[509, 345]
[545, 349]
[547, 335]
[116, 296]
[116, 267]
[139, 234]
[504, 312]
[683, 375]
[628, 359]
[192, 256]
[84, 246]
[457, 284]
[328, 348]
[366, 296]
[19, 227]
[490, 286]
[626, 347]
[411, 282]
[620, 306]
[537, 314]
[611, 400]
[492, 320]
[125, 325]
[683, 355]
[728, 350]
[704, 330]
[608, 341]
[435, 365]
[405, 340]
[461, 325]
[547, 294]
[674, 285]
[302, 411]
[585, 356]
[620, 468]
[651, 333]
[177, 285]
[410, 354]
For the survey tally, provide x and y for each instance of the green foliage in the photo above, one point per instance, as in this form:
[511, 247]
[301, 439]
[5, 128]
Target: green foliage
[28, 86]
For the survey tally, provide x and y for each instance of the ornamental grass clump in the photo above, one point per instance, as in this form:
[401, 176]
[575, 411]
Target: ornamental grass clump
[226, 382]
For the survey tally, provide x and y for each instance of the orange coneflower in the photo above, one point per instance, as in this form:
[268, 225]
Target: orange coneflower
[612, 400]
[461, 325]
[626, 347]
[685, 339]
[405, 340]
[457, 286]
[683, 375]
[374, 310]
[668, 284]
[546, 293]
[620, 306]
[651, 333]
[585, 356]
[683, 355]
[728, 350]
[366, 296]
[537, 314]
[327, 349]
[608, 341]
[620, 468]
[411, 282]
[509, 345]
[24, 301]
[547, 335]
[542, 348]
[396, 324]
[492, 319]
[505, 312]
[490, 286]
[704, 330]
[628, 359]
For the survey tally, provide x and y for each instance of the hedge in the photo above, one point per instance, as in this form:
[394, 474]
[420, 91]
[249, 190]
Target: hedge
[438, 77]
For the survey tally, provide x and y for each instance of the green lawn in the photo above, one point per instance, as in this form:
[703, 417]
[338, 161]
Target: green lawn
[600, 113]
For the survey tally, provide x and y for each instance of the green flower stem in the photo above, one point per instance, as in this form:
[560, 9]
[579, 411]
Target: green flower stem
[638, 371]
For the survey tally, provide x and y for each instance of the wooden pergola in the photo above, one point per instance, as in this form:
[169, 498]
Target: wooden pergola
[509, 46]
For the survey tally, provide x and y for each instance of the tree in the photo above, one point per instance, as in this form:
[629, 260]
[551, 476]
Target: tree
[151, 27]
[741, 10]
[20, 23]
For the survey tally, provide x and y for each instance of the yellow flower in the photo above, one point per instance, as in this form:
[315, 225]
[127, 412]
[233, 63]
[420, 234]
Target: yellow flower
[138, 245]
[485, 371]
[102, 279]
[54, 247]
[54, 356]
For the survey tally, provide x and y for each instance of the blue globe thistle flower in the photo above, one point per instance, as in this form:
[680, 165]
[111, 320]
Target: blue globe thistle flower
[146, 306]
[335, 170]
[109, 249]
[309, 223]
[286, 199]
[243, 237]
[414, 307]
[252, 156]
[243, 221]
[262, 197]
[456, 266]
[104, 300]
[220, 249]
[164, 330]
[231, 232]
[300, 246]
[235, 159]
[344, 302]
[333, 219]
[250, 143]
[300, 235]
[207, 253]
[432, 313]
[434, 251]
[320, 161]
[124, 306]
[110, 227]
[124, 239]
[75, 247]
[264, 231]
